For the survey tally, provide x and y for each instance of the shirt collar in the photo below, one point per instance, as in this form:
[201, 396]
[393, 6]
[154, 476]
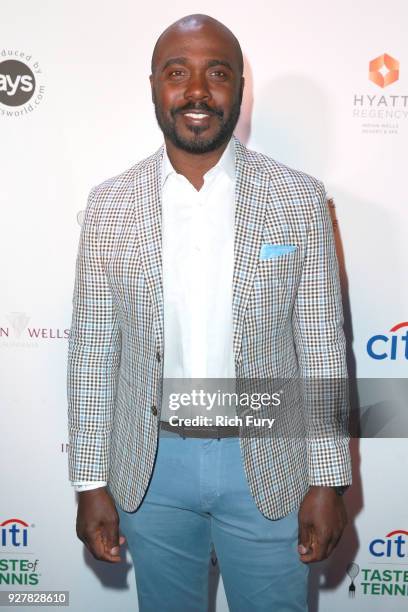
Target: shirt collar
[226, 163]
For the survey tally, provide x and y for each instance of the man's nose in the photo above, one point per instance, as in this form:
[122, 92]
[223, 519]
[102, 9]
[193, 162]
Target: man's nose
[197, 88]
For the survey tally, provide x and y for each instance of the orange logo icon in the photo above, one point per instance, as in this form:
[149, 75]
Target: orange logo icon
[384, 70]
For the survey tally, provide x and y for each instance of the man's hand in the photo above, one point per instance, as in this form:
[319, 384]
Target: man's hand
[98, 524]
[322, 517]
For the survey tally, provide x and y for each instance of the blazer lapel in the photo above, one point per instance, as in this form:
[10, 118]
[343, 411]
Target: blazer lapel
[148, 217]
[251, 196]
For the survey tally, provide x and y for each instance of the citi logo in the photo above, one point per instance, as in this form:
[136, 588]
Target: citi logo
[14, 532]
[394, 544]
[392, 345]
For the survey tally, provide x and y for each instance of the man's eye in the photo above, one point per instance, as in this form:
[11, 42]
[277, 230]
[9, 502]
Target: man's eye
[176, 72]
[219, 73]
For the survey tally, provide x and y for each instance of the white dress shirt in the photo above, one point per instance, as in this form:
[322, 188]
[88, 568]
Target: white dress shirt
[198, 259]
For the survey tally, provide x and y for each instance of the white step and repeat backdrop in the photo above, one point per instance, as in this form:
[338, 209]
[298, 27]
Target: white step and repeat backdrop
[327, 92]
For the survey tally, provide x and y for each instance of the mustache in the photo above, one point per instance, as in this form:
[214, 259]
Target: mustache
[202, 107]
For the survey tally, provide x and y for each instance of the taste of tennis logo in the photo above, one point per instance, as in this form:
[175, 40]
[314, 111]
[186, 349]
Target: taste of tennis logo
[21, 83]
[378, 111]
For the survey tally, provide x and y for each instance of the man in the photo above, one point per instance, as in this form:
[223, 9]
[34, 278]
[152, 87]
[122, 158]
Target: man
[206, 260]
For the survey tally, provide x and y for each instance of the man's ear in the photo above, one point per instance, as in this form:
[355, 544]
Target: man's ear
[241, 88]
[151, 87]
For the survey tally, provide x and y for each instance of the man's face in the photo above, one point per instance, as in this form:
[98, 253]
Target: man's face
[197, 89]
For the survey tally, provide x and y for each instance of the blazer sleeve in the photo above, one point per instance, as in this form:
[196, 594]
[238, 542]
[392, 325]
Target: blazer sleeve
[94, 346]
[321, 350]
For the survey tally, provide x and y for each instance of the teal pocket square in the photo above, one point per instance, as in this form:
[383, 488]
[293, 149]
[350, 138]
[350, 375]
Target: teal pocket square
[274, 250]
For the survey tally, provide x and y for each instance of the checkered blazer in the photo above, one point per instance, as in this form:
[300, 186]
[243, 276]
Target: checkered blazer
[287, 324]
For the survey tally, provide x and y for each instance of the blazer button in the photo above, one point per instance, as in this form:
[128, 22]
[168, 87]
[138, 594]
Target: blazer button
[154, 410]
[158, 357]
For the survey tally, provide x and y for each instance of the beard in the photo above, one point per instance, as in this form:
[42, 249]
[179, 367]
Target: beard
[198, 143]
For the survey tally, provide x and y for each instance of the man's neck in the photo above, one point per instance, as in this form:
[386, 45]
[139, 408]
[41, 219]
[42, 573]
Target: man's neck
[193, 166]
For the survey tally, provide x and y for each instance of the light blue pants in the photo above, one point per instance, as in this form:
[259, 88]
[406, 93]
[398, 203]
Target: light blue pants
[199, 495]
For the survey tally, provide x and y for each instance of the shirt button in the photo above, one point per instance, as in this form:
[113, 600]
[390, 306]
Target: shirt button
[154, 410]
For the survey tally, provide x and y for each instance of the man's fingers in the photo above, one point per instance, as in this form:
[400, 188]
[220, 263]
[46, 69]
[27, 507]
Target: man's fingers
[328, 541]
[333, 542]
[319, 547]
[111, 539]
[97, 546]
[307, 551]
[305, 538]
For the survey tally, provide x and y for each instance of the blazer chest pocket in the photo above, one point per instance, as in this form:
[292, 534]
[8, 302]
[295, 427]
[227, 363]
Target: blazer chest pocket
[279, 261]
